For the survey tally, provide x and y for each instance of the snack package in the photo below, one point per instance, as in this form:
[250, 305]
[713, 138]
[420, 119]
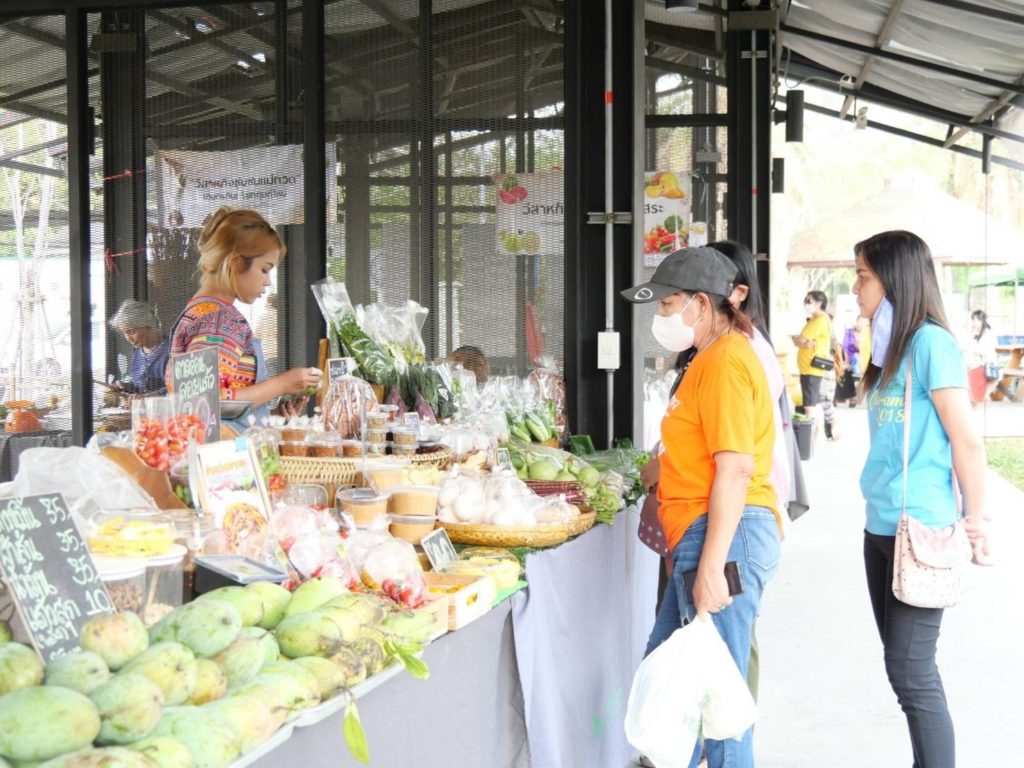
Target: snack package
[394, 568]
[345, 406]
[549, 387]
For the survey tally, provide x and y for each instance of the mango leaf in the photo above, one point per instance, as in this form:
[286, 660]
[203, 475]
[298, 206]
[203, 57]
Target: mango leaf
[415, 666]
[355, 736]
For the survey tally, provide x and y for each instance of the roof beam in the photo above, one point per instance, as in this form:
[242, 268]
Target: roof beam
[884, 36]
[981, 10]
[908, 60]
[404, 27]
[915, 137]
[34, 148]
[994, 106]
[42, 170]
[694, 73]
[188, 28]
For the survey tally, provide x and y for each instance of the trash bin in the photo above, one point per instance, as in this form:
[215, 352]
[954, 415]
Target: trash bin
[804, 431]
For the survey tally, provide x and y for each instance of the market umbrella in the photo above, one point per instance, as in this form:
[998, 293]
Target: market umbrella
[954, 230]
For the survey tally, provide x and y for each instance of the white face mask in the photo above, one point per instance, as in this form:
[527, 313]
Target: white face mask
[671, 332]
[808, 309]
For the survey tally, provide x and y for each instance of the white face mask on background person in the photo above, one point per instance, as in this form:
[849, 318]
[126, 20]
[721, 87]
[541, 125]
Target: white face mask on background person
[671, 332]
[809, 308]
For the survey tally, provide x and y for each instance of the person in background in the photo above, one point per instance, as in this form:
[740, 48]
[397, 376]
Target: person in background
[237, 251]
[716, 502]
[137, 321]
[814, 341]
[472, 359]
[846, 388]
[898, 292]
[981, 357]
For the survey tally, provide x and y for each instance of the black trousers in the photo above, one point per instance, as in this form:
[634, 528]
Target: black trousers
[909, 638]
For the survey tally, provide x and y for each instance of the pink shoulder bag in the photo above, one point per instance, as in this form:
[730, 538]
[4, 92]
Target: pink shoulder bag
[929, 563]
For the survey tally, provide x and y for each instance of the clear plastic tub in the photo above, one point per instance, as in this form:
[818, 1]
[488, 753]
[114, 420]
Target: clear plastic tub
[363, 504]
[411, 528]
[404, 436]
[165, 584]
[351, 448]
[377, 420]
[125, 580]
[324, 445]
[383, 474]
[293, 448]
[499, 564]
[130, 533]
[391, 411]
[403, 450]
[416, 500]
[376, 436]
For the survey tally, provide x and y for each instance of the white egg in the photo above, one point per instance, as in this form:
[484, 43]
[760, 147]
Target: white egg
[504, 517]
[449, 493]
[464, 508]
[447, 515]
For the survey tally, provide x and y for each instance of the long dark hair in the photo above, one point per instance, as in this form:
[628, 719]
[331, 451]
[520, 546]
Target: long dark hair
[903, 263]
[746, 275]
[979, 314]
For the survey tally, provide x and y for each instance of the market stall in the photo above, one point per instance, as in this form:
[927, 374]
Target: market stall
[318, 584]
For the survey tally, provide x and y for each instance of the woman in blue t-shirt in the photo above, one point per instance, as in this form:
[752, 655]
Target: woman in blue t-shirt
[897, 290]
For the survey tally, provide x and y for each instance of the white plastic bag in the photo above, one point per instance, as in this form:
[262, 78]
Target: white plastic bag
[688, 682]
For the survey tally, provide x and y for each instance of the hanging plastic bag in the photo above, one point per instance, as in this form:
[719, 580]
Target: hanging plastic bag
[690, 681]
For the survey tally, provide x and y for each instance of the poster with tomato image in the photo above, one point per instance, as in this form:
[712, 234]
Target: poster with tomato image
[666, 214]
[530, 212]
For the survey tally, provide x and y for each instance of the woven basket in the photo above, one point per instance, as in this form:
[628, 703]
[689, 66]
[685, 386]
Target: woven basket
[507, 535]
[552, 487]
[583, 523]
[336, 472]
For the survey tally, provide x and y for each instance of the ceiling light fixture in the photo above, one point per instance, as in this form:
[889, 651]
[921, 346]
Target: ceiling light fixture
[685, 6]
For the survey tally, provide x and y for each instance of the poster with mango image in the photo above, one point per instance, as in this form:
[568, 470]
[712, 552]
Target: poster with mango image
[666, 215]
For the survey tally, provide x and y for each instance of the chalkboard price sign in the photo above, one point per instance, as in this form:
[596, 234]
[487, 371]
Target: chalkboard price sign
[49, 572]
[196, 380]
[340, 366]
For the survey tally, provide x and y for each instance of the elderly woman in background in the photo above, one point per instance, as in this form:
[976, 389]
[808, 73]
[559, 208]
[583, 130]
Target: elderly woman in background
[139, 324]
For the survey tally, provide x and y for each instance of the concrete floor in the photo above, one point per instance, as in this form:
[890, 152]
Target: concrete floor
[825, 701]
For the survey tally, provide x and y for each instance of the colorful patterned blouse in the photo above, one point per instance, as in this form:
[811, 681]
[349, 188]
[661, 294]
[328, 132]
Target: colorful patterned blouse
[209, 322]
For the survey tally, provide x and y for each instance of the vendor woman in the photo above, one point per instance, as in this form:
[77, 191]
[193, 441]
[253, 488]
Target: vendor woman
[139, 324]
[237, 251]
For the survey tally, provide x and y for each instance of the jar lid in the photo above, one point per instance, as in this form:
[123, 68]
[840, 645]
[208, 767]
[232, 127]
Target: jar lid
[419, 519]
[174, 555]
[119, 568]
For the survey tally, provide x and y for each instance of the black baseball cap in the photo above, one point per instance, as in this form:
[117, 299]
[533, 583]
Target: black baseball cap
[693, 270]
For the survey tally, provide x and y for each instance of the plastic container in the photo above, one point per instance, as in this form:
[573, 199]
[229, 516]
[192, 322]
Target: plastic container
[363, 504]
[376, 436]
[416, 500]
[383, 474]
[351, 448]
[293, 434]
[391, 411]
[293, 448]
[130, 533]
[190, 531]
[403, 450]
[404, 436]
[165, 584]
[125, 580]
[324, 446]
[411, 528]
[377, 420]
[377, 449]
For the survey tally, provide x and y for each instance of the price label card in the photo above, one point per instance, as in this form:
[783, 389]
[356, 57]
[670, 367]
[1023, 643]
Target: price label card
[438, 548]
[196, 380]
[49, 572]
[340, 366]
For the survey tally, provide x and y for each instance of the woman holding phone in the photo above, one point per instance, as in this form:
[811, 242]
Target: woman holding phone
[716, 503]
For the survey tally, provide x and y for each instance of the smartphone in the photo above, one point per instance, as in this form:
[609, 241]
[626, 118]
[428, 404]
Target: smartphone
[732, 578]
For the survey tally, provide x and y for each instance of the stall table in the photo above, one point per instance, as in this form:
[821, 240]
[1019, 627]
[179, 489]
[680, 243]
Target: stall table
[542, 680]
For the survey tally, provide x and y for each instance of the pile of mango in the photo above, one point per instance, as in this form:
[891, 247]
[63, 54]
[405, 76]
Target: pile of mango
[210, 682]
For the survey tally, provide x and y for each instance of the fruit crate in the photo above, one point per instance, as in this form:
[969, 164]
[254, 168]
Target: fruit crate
[438, 605]
[469, 597]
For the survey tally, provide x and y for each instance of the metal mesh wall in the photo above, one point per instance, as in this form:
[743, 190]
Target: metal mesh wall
[421, 136]
[34, 269]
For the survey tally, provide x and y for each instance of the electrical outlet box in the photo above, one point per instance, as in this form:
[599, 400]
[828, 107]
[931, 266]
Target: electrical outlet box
[608, 350]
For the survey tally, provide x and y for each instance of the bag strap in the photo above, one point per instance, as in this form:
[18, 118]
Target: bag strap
[907, 400]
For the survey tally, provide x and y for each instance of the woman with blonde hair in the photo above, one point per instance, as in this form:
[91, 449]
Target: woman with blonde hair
[238, 249]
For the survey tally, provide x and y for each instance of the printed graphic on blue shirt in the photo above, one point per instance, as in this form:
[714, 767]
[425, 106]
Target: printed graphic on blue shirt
[937, 364]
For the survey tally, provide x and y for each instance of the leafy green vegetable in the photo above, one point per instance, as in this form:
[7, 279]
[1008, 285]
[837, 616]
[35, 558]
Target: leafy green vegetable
[373, 362]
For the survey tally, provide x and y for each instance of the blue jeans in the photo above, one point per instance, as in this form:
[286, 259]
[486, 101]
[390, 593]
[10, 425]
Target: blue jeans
[755, 547]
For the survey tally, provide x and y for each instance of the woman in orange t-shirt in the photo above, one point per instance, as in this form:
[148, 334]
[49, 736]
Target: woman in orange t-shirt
[717, 505]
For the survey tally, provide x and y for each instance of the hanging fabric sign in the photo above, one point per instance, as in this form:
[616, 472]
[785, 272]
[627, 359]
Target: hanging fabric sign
[191, 185]
[530, 213]
[666, 215]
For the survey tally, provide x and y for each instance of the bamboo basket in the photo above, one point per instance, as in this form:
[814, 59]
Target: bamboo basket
[583, 523]
[338, 472]
[534, 536]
